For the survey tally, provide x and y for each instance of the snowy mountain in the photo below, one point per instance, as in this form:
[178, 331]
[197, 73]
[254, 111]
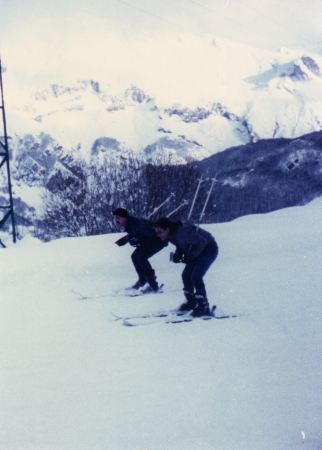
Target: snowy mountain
[254, 178]
[227, 95]
[73, 378]
[263, 176]
[195, 98]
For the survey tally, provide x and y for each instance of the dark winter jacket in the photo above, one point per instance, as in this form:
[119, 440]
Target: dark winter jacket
[190, 240]
[140, 231]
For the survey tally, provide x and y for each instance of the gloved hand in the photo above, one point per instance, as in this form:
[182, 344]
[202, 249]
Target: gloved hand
[186, 259]
[122, 241]
[134, 241]
[177, 257]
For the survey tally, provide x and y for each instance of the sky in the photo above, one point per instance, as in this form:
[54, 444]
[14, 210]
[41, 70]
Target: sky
[39, 36]
[268, 23]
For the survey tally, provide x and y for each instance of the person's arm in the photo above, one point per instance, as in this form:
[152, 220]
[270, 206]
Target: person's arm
[124, 240]
[196, 243]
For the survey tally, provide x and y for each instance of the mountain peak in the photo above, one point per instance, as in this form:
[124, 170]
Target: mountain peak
[311, 65]
[57, 90]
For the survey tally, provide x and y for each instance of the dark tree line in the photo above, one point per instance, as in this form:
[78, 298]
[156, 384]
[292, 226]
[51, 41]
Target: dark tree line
[251, 179]
[82, 203]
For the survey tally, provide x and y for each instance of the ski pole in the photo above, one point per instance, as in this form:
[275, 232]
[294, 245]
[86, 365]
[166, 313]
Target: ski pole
[175, 210]
[195, 197]
[203, 209]
[206, 202]
[157, 209]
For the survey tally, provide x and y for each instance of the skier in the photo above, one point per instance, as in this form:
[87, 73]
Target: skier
[142, 235]
[196, 248]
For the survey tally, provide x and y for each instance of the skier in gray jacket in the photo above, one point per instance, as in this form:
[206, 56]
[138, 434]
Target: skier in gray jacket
[197, 249]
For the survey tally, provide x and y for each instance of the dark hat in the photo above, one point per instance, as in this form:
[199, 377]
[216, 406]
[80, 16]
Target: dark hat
[121, 212]
[165, 222]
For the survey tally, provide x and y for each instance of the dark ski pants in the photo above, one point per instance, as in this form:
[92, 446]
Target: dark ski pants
[193, 273]
[140, 258]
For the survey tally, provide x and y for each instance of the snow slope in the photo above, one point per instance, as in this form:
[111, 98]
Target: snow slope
[73, 379]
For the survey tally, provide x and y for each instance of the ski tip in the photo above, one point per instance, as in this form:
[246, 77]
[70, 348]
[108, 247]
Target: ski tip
[126, 323]
[116, 316]
[212, 311]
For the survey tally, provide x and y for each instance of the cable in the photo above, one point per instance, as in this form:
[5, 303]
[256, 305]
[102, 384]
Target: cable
[233, 21]
[274, 21]
[200, 35]
[158, 17]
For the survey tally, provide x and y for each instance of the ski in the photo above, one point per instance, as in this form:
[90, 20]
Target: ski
[148, 319]
[140, 292]
[87, 297]
[167, 317]
[159, 314]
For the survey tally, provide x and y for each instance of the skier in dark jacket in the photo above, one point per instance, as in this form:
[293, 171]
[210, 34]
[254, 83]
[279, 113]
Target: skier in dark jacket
[142, 235]
[196, 248]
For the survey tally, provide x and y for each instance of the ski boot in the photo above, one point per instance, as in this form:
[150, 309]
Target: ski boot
[202, 308]
[139, 284]
[189, 305]
[153, 284]
[136, 286]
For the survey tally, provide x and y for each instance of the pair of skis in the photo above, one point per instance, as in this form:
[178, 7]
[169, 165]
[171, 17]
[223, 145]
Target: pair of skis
[166, 317]
[172, 316]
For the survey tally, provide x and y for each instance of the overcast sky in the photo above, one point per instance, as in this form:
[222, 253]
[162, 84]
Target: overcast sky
[39, 30]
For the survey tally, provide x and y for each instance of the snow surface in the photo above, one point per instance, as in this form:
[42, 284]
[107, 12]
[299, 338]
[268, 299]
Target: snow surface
[73, 379]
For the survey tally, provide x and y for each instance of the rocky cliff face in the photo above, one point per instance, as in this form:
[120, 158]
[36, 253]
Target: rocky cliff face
[264, 176]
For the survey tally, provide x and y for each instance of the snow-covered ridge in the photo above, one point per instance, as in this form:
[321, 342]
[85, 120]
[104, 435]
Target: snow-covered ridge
[195, 98]
[215, 93]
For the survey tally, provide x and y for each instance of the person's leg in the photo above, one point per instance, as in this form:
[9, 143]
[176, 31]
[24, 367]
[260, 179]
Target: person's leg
[187, 277]
[143, 265]
[137, 265]
[204, 261]
[201, 266]
[188, 288]
[189, 304]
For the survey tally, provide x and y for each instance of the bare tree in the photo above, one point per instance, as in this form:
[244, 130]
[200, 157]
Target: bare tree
[82, 204]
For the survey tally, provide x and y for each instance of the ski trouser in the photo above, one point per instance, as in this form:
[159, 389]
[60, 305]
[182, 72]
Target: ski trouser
[193, 273]
[140, 257]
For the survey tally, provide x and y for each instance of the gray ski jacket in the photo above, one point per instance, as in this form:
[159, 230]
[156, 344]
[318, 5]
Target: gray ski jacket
[189, 240]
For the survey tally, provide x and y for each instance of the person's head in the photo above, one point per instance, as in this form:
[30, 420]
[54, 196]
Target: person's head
[120, 217]
[164, 227]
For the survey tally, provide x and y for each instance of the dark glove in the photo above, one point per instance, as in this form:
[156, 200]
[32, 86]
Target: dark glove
[122, 241]
[186, 259]
[134, 241]
[177, 257]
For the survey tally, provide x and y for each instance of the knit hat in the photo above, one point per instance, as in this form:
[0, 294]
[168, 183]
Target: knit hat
[121, 212]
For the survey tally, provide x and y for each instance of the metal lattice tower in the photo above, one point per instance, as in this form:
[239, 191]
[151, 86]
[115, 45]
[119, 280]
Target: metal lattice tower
[6, 202]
